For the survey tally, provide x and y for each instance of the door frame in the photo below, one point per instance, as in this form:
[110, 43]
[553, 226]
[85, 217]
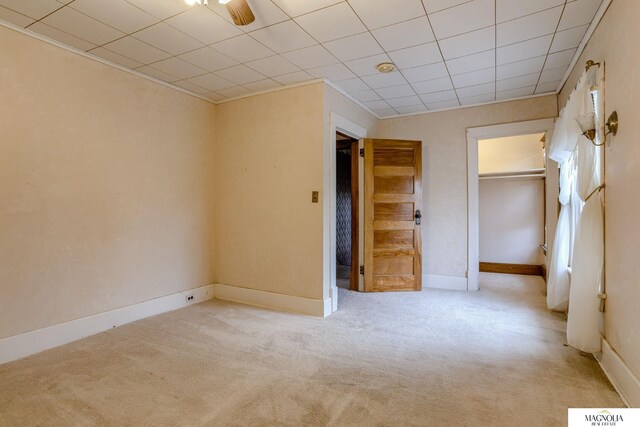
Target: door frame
[340, 124]
[473, 228]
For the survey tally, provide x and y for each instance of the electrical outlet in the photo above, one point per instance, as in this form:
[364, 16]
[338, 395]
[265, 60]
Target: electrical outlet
[190, 298]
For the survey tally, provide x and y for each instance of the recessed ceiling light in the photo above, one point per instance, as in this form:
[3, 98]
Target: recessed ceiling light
[386, 67]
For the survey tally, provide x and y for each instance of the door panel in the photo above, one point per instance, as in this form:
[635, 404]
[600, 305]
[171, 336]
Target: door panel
[393, 194]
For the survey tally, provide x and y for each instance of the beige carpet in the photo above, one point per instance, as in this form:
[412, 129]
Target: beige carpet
[494, 357]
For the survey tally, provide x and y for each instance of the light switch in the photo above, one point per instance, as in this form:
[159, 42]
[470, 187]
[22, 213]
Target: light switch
[314, 197]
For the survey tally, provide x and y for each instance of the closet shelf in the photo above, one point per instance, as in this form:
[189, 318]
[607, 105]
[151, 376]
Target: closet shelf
[529, 174]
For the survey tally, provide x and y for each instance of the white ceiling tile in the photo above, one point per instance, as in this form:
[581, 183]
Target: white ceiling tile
[117, 13]
[405, 101]
[262, 84]
[265, 12]
[405, 34]
[191, 87]
[506, 10]
[377, 81]
[311, 57]
[528, 27]
[520, 68]
[579, 12]
[296, 7]
[435, 106]
[568, 39]
[401, 91]
[211, 81]
[333, 72]
[559, 59]
[75, 23]
[366, 95]
[523, 50]
[61, 36]
[215, 97]
[384, 112]
[515, 93]
[553, 74]
[233, 91]
[291, 78]
[240, 74]
[517, 82]
[434, 6]
[161, 9]
[547, 87]
[411, 109]
[425, 72]
[204, 25]
[467, 44]
[283, 37]
[451, 22]
[367, 66]
[353, 85]
[483, 89]
[35, 9]
[354, 47]
[415, 56]
[376, 104]
[380, 13]
[179, 68]
[478, 99]
[150, 71]
[446, 95]
[136, 50]
[15, 17]
[243, 48]
[273, 66]
[168, 39]
[477, 61]
[474, 78]
[331, 23]
[208, 59]
[115, 58]
[435, 85]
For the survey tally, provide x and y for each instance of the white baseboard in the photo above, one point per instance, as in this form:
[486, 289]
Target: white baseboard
[23, 345]
[624, 381]
[290, 303]
[434, 281]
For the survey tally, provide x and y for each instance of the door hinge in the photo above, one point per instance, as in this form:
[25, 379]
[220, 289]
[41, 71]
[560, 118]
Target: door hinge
[362, 269]
[362, 152]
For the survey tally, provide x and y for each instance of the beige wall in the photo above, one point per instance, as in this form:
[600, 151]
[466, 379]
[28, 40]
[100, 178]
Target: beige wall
[510, 154]
[614, 43]
[269, 151]
[444, 149]
[105, 187]
[511, 220]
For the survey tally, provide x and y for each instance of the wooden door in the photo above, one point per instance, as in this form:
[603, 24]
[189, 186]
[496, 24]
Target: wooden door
[392, 201]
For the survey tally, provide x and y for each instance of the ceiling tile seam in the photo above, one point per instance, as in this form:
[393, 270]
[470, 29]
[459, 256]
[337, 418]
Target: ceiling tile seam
[48, 14]
[602, 9]
[551, 44]
[310, 12]
[441, 54]
[529, 14]
[386, 52]
[446, 8]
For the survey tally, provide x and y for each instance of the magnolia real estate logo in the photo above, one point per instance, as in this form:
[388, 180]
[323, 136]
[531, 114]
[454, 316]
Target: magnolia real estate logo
[600, 417]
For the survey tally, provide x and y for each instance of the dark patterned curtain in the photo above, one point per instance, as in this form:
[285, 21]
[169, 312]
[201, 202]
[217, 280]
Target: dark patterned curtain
[343, 207]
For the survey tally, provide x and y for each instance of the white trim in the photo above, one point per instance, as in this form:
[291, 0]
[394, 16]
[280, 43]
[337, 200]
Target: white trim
[623, 380]
[283, 302]
[272, 89]
[336, 123]
[453, 283]
[28, 343]
[585, 40]
[473, 135]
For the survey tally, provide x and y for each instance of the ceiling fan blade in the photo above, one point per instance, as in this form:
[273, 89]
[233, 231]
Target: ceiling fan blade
[240, 12]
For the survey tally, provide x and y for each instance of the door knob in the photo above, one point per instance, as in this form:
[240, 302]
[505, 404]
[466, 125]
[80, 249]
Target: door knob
[418, 217]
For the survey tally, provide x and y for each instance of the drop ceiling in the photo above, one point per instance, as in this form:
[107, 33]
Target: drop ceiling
[448, 53]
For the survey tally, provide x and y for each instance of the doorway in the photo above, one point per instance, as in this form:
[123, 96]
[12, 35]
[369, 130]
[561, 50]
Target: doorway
[347, 212]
